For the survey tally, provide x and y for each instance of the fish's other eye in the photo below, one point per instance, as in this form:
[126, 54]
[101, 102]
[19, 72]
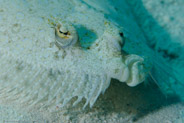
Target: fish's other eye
[121, 34]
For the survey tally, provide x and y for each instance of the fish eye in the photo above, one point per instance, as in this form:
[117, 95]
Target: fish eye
[65, 33]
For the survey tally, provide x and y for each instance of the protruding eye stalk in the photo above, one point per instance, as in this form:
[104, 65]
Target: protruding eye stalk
[66, 35]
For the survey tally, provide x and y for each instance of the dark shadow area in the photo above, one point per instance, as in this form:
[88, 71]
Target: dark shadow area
[138, 101]
[124, 101]
[86, 37]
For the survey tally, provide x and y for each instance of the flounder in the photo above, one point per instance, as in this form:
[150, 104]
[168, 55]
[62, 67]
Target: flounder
[42, 65]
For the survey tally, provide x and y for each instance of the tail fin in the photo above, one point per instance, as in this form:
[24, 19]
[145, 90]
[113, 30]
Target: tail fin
[165, 77]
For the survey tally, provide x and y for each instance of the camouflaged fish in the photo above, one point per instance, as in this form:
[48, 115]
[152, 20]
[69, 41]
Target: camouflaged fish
[50, 66]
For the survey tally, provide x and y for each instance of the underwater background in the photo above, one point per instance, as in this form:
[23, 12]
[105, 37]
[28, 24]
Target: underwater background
[157, 24]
